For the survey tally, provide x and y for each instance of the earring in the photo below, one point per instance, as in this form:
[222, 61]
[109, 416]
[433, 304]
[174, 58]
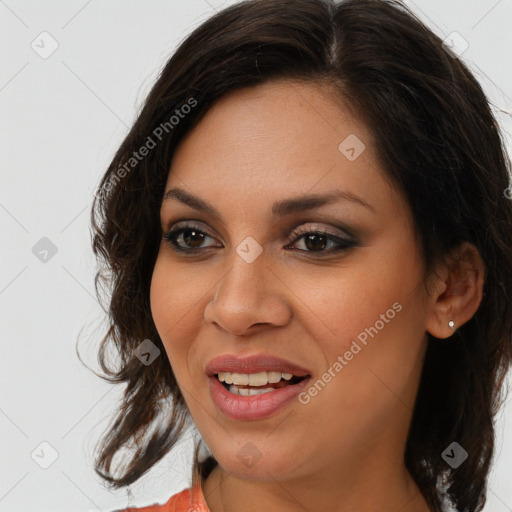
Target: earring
[451, 323]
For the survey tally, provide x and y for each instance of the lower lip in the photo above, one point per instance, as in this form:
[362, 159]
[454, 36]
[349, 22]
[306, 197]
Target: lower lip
[256, 407]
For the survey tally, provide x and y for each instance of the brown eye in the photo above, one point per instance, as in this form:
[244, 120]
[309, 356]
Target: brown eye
[316, 241]
[187, 238]
[193, 238]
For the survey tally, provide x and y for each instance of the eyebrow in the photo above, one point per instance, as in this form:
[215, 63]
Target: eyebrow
[279, 209]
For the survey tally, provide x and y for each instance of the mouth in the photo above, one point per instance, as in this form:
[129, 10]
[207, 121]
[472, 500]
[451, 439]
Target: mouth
[254, 387]
[251, 384]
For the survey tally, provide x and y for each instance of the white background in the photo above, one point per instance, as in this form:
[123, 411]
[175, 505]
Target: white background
[61, 120]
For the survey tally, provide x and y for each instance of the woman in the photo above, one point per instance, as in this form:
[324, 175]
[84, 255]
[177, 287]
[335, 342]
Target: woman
[308, 241]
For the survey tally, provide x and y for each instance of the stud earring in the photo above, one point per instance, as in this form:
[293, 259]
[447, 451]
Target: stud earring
[451, 323]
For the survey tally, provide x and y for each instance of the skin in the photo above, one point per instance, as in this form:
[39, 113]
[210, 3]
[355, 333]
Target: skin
[343, 450]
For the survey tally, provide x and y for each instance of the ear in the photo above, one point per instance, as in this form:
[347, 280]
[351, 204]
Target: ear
[458, 291]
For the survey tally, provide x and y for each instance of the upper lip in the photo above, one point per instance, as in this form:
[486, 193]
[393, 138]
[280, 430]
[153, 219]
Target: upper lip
[253, 364]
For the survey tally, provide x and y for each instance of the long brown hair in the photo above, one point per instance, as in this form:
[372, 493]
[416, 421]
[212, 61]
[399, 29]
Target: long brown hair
[438, 142]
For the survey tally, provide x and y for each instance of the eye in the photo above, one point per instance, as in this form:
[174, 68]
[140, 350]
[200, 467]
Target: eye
[190, 239]
[187, 238]
[316, 240]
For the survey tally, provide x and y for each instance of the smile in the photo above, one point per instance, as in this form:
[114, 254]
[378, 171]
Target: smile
[251, 384]
[243, 402]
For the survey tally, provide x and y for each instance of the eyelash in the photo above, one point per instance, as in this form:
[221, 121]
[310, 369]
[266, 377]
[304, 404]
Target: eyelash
[343, 243]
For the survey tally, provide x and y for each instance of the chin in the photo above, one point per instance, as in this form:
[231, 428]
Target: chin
[247, 462]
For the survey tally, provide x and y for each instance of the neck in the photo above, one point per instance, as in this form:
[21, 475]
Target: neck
[225, 492]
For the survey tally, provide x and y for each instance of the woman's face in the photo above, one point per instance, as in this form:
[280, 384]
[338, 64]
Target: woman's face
[346, 305]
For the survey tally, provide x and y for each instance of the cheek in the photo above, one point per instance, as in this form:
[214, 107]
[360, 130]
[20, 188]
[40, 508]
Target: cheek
[173, 308]
[372, 366]
[174, 295]
[373, 317]
[162, 298]
[342, 305]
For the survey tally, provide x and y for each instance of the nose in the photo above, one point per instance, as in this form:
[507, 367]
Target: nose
[248, 297]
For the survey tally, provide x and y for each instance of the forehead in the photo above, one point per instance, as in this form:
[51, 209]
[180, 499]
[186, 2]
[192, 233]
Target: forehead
[277, 139]
[275, 118]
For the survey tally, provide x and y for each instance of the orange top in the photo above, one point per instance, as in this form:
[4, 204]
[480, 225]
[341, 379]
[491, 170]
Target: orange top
[188, 500]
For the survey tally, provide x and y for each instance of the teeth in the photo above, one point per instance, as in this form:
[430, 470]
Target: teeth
[253, 379]
[248, 391]
[274, 377]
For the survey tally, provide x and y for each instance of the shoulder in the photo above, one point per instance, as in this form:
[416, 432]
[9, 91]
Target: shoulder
[188, 500]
